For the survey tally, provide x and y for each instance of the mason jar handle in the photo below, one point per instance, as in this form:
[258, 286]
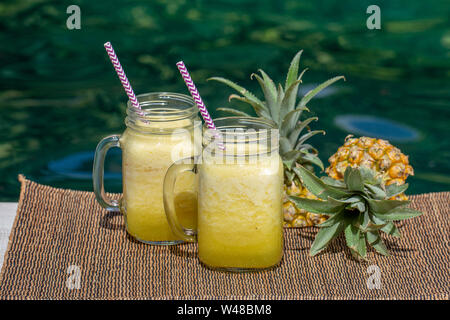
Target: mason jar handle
[98, 172]
[183, 165]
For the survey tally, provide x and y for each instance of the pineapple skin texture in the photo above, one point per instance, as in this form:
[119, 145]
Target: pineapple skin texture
[377, 154]
[294, 216]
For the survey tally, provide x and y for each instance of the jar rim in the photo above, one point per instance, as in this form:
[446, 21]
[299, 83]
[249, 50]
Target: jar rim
[162, 106]
[227, 125]
[255, 130]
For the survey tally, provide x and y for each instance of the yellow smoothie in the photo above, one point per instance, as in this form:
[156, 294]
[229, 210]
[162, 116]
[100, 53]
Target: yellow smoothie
[146, 158]
[240, 223]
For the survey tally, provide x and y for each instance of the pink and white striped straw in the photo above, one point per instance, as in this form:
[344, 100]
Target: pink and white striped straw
[199, 102]
[121, 74]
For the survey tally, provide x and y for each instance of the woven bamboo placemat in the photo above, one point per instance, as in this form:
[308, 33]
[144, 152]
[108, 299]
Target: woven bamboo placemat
[56, 229]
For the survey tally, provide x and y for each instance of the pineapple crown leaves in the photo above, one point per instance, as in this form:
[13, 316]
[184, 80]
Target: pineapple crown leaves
[280, 105]
[357, 206]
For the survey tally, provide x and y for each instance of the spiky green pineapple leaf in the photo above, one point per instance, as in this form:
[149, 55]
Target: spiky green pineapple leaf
[325, 235]
[332, 220]
[351, 236]
[234, 111]
[333, 182]
[369, 176]
[287, 102]
[312, 93]
[285, 145]
[374, 240]
[268, 82]
[290, 105]
[294, 135]
[306, 157]
[260, 111]
[306, 137]
[317, 206]
[285, 128]
[394, 189]
[247, 94]
[289, 175]
[376, 220]
[391, 229]
[371, 223]
[280, 97]
[309, 148]
[399, 213]
[300, 156]
[270, 93]
[364, 220]
[353, 179]
[360, 206]
[347, 200]
[317, 186]
[368, 225]
[346, 173]
[300, 77]
[355, 241]
[290, 158]
[376, 192]
[362, 247]
[372, 237]
[384, 206]
[293, 70]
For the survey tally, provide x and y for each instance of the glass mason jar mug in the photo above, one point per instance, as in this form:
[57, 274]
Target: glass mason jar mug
[239, 221]
[158, 134]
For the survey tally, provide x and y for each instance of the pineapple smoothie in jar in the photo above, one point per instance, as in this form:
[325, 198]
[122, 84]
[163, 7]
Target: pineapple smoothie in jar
[156, 136]
[240, 222]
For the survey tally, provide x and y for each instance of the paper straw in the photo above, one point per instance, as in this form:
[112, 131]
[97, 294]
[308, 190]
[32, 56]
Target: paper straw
[198, 101]
[121, 74]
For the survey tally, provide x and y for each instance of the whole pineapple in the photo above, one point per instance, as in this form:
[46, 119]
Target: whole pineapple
[280, 105]
[377, 154]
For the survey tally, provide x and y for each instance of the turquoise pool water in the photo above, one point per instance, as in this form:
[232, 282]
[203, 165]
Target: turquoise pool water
[59, 95]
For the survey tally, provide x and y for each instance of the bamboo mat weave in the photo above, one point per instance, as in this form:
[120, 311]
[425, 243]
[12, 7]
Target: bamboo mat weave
[56, 229]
